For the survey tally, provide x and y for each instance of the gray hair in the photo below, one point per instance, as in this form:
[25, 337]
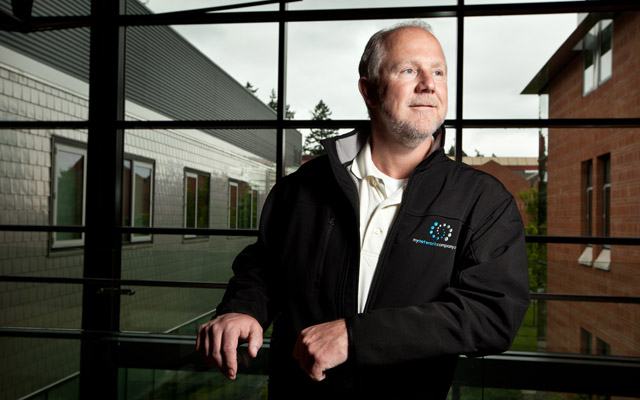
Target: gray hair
[374, 51]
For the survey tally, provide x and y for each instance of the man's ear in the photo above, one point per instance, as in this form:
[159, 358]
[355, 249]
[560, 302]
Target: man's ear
[368, 91]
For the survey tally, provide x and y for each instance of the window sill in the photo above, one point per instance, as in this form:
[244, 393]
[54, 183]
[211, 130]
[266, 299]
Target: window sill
[586, 258]
[603, 261]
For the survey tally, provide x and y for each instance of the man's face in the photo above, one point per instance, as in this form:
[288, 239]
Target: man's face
[413, 90]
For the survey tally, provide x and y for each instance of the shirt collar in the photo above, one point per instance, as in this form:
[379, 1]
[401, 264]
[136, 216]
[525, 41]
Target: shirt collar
[363, 165]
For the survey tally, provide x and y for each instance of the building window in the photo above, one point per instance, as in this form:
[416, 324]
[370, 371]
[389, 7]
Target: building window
[69, 183]
[604, 164]
[137, 197]
[586, 258]
[586, 341]
[597, 56]
[243, 206]
[602, 348]
[196, 208]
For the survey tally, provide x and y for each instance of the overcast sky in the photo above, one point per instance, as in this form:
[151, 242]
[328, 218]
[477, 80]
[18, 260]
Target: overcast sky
[502, 55]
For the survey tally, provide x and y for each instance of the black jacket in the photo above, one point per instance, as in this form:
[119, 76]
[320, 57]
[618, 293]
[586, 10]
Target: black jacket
[451, 279]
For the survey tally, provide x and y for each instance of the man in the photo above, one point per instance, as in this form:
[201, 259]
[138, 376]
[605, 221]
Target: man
[384, 260]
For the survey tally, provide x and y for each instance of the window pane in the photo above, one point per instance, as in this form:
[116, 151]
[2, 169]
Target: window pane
[606, 53]
[126, 193]
[44, 75]
[233, 206]
[198, 72]
[338, 4]
[254, 210]
[190, 202]
[328, 69]
[143, 193]
[171, 258]
[502, 55]
[589, 61]
[70, 171]
[199, 152]
[203, 201]
[162, 6]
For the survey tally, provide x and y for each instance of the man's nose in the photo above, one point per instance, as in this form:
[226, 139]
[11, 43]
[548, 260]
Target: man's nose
[426, 83]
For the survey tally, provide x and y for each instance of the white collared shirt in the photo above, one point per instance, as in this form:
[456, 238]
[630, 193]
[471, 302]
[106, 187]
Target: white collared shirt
[380, 198]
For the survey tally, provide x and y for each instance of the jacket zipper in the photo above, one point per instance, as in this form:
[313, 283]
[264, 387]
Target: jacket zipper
[323, 251]
[385, 248]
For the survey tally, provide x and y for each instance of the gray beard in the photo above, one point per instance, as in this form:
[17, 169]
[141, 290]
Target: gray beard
[405, 132]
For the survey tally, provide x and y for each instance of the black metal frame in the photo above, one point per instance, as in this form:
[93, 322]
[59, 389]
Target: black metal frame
[103, 348]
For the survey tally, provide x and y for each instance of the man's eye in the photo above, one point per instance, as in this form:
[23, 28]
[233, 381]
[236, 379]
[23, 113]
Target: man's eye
[409, 71]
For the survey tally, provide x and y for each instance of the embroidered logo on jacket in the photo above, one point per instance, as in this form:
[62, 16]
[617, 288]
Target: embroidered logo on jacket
[438, 234]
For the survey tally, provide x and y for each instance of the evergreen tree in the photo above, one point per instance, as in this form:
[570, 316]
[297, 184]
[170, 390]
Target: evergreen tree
[452, 151]
[312, 145]
[273, 103]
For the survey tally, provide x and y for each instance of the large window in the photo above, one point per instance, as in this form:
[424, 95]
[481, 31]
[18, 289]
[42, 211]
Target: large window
[598, 56]
[196, 200]
[200, 150]
[137, 197]
[69, 183]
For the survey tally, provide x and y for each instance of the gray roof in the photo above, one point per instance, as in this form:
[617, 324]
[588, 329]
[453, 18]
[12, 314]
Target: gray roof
[164, 73]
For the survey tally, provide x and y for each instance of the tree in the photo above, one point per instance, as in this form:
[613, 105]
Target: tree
[250, 88]
[273, 103]
[452, 151]
[312, 145]
[536, 252]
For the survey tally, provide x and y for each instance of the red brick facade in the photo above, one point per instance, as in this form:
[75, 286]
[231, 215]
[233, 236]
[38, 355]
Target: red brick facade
[569, 152]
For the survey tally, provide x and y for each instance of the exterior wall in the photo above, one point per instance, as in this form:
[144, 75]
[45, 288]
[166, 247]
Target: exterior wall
[616, 324]
[25, 199]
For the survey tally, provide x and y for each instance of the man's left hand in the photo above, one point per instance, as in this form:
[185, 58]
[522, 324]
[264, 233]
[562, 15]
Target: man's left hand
[322, 347]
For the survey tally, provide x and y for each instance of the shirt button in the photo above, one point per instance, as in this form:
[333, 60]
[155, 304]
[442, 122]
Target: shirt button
[377, 231]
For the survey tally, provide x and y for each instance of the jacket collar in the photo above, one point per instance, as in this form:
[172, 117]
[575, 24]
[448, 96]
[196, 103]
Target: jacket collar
[345, 148]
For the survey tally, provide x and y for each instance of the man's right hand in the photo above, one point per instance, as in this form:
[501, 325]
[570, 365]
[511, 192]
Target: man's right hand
[218, 340]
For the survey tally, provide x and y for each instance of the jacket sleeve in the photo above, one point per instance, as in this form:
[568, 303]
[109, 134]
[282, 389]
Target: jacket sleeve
[249, 290]
[479, 313]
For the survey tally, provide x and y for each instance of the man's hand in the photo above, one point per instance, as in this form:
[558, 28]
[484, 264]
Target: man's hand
[322, 347]
[218, 340]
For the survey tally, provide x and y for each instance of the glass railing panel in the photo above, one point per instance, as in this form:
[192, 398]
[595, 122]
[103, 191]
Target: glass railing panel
[34, 368]
[183, 309]
[137, 384]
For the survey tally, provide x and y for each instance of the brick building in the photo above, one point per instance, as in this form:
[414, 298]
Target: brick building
[594, 185]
